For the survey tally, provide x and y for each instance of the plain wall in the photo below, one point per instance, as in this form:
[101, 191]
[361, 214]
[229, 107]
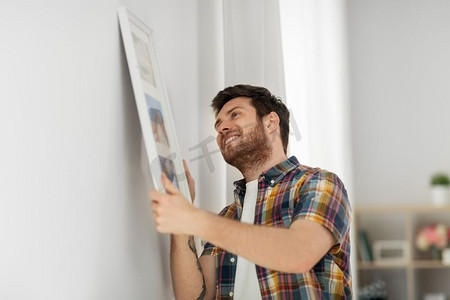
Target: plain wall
[75, 221]
[399, 70]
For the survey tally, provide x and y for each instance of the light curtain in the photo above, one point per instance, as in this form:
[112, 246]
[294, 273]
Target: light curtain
[253, 52]
[315, 55]
[314, 44]
[239, 42]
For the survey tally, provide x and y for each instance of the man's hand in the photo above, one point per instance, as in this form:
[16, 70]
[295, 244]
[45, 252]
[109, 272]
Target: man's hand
[172, 211]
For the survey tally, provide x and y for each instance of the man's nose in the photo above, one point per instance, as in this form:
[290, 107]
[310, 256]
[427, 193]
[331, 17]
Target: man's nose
[224, 127]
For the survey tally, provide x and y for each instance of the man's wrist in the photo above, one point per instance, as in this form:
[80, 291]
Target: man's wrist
[202, 222]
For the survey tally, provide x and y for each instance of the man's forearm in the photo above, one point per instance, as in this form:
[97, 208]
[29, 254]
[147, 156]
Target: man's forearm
[293, 250]
[187, 276]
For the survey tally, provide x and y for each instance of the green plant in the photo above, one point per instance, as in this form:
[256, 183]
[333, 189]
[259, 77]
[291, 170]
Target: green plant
[440, 179]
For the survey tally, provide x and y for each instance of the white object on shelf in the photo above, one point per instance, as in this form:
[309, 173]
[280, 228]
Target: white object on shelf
[390, 251]
[446, 256]
[435, 296]
[440, 195]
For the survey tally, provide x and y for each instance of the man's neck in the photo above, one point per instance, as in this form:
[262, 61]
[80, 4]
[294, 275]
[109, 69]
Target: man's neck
[253, 174]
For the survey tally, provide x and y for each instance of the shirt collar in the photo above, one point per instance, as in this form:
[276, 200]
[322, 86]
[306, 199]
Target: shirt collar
[273, 175]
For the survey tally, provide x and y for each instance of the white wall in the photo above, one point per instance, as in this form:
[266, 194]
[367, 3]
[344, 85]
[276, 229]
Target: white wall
[74, 217]
[399, 72]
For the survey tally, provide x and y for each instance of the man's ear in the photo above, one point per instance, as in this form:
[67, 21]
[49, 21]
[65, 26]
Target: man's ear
[271, 122]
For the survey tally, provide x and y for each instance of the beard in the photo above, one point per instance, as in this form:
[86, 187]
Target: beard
[251, 151]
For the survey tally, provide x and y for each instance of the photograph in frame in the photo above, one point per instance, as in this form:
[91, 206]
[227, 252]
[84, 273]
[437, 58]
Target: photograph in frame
[157, 120]
[144, 61]
[153, 107]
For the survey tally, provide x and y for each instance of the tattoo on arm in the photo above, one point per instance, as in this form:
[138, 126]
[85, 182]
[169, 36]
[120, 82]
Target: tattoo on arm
[191, 244]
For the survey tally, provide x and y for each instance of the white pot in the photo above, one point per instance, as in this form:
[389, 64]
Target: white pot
[440, 195]
[446, 256]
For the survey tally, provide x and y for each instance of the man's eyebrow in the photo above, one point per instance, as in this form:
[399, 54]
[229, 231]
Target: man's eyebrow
[218, 121]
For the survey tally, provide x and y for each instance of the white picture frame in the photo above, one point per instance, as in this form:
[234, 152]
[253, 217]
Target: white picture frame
[153, 107]
[387, 251]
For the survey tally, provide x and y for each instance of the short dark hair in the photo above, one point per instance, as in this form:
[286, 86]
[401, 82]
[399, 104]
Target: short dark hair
[262, 100]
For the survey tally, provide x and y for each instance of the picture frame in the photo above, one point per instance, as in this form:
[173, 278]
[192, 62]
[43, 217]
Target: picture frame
[153, 106]
[387, 251]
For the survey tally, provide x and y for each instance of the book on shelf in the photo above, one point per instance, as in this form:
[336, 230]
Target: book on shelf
[364, 248]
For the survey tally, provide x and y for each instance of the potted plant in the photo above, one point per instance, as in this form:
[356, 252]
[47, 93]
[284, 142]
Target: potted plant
[440, 187]
[433, 238]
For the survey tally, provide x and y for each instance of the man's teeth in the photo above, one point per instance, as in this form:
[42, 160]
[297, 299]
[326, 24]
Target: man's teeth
[230, 139]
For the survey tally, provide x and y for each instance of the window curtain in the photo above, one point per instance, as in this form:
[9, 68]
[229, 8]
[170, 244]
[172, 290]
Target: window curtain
[315, 55]
[314, 44]
[239, 42]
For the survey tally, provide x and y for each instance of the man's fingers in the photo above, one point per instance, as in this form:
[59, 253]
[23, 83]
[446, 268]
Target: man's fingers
[154, 195]
[168, 185]
[155, 214]
[190, 180]
[154, 205]
[186, 169]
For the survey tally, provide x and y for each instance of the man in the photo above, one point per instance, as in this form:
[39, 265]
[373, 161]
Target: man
[292, 241]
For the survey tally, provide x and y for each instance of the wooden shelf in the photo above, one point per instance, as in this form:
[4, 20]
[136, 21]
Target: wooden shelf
[415, 264]
[363, 265]
[414, 209]
[429, 264]
[401, 222]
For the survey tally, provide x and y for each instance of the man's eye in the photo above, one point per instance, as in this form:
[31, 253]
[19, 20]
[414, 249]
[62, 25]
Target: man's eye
[234, 114]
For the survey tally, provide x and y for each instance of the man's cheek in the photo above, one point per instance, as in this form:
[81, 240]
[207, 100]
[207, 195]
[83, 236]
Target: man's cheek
[218, 141]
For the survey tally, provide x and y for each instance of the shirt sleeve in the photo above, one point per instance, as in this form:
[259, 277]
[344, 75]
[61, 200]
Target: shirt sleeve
[323, 199]
[209, 249]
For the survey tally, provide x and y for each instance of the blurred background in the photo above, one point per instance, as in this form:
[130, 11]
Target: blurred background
[365, 81]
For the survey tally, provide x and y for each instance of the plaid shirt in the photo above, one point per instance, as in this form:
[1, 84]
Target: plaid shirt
[288, 192]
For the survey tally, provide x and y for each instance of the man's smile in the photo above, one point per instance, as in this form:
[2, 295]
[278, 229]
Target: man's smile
[230, 139]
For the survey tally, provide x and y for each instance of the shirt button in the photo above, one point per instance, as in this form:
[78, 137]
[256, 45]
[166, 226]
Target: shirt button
[231, 294]
[232, 259]
[272, 181]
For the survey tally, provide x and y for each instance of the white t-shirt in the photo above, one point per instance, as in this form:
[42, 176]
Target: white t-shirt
[246, 284]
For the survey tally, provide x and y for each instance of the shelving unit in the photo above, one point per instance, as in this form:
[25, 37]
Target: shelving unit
[412, 278]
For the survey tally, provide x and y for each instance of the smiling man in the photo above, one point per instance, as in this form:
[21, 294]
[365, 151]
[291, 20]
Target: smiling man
[285, 236]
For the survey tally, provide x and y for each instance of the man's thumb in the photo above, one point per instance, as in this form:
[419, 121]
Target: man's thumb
[168, 185]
